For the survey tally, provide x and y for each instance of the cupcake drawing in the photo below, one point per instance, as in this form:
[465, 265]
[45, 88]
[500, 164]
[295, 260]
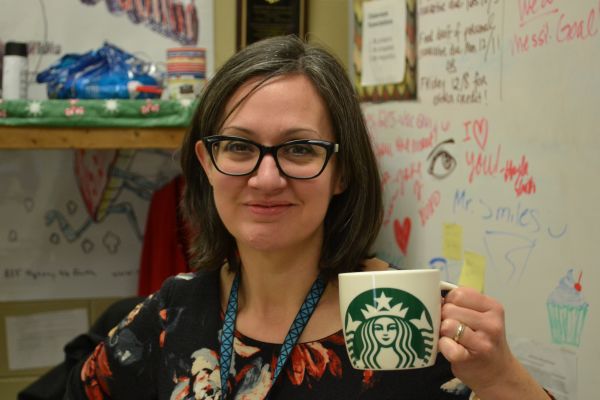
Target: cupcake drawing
[567, 310]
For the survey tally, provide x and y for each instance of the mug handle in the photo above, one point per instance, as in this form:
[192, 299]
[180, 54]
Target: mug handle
[447, 285]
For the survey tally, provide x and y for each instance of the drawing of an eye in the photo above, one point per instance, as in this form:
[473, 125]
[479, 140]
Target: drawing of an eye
[441, 162]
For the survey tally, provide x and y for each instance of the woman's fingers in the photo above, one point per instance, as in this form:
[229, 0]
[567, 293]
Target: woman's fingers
[472, 318]
[458, 332]
[479, 312]
[482, 319]
[470, 298]
[473, 340]
[451, 329]
[454, 352]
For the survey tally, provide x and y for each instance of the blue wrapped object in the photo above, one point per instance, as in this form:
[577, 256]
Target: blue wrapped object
[106, 73]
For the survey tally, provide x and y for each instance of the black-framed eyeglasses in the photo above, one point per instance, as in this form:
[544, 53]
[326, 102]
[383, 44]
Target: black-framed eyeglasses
[297, 159]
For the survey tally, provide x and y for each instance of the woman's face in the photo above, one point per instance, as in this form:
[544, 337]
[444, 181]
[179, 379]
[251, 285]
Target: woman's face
[267, 211]
[385, 330]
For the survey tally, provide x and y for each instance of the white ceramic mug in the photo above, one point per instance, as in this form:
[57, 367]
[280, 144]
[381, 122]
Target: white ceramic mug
[391, 319]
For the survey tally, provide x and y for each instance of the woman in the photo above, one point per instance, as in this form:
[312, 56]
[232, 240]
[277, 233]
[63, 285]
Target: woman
[283, 188]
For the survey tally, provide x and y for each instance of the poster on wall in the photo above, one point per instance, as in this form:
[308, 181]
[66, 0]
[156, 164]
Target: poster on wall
[72, 221]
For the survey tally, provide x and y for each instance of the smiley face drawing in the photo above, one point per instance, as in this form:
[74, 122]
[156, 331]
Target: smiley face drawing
[388, 328]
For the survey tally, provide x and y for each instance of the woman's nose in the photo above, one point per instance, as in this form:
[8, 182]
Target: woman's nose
[267, 176]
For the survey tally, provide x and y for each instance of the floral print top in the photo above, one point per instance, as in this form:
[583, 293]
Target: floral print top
[168, 348]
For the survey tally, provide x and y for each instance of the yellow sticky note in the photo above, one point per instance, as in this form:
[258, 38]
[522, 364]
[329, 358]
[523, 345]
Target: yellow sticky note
[453, 242]
[473, 271]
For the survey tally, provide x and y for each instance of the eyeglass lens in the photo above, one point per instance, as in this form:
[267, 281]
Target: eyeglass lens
[298, 160]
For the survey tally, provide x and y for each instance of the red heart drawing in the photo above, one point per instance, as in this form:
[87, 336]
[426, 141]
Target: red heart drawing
[402, 233]
[480, 132]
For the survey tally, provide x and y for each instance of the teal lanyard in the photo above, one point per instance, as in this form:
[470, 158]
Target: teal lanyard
[306, 310]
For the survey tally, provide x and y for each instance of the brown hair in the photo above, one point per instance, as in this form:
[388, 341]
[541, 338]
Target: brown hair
[354, 216]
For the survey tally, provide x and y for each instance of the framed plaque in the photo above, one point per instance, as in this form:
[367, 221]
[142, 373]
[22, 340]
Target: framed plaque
[260, 19]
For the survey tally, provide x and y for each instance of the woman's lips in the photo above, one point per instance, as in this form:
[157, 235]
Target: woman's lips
[268, 209]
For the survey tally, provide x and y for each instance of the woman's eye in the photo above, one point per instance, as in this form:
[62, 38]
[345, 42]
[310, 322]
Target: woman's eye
[299, 150]
[237, 147]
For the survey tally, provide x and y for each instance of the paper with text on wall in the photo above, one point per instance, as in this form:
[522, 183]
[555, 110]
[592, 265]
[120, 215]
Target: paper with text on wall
[552, 367]
[384, 42]
[37, 340]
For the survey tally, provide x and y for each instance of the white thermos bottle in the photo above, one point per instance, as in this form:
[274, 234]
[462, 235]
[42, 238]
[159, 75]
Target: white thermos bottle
[14, 71]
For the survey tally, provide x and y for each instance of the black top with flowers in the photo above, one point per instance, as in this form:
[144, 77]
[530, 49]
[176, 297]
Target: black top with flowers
[168, 348]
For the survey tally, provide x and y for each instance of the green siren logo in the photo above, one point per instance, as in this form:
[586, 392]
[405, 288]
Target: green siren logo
[388, 326]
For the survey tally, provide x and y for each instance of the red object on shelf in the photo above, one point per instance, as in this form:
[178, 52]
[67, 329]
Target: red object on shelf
[148, 89]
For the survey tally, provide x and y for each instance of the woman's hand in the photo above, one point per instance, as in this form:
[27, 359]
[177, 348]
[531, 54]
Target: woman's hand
[480, 356]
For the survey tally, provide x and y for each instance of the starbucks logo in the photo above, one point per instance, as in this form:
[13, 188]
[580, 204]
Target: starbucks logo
[388, 326]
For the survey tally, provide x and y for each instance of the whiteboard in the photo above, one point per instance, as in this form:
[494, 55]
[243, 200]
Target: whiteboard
[498, 157]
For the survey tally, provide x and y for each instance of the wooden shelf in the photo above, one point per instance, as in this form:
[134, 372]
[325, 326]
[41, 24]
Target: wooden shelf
[24, 137]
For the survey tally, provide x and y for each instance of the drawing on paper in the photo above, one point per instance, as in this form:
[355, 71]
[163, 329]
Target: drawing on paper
[102, 176]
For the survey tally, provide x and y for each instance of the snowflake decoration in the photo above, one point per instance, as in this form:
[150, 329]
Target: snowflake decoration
[34, 108]
[111, 106]
[185, 103]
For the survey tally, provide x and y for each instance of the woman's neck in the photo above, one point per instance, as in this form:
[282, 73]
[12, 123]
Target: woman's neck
[273, 286]
[275, 283]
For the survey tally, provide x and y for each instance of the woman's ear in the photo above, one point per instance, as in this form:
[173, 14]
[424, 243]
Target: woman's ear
[340, 185]
[204, 159]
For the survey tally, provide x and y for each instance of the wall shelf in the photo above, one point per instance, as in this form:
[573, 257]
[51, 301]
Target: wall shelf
[24, 137]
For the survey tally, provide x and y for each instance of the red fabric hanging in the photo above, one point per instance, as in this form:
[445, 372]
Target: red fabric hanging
[164, 250]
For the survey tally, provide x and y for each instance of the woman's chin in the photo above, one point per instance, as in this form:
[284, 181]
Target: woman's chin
[281, 238]
[263, 243]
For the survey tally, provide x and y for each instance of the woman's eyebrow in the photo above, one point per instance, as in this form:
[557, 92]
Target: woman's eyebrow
[283, 134]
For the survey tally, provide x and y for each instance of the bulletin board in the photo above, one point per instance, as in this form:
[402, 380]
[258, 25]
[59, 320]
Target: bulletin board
[490, 174]
[72, 222]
